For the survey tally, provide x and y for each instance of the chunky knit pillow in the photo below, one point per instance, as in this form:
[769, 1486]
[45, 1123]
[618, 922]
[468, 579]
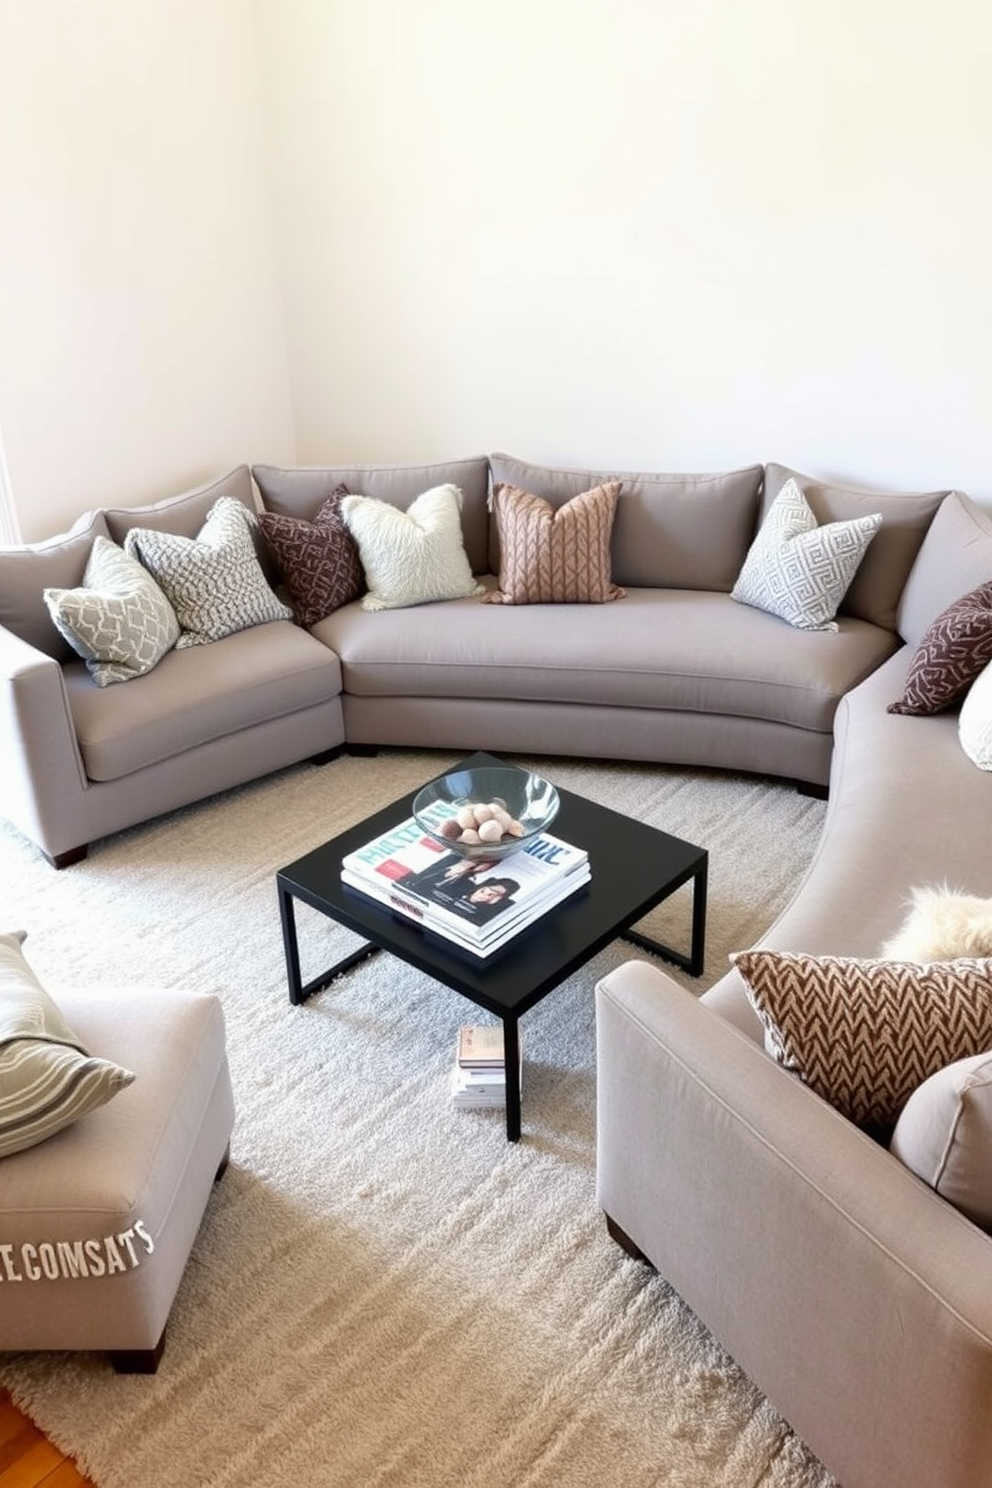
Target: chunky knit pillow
[411, 557]
[214, 580]
[555, 556]
[955, 649]
[119, 621]
[798, 570]
[865, 1034]
[317, 561]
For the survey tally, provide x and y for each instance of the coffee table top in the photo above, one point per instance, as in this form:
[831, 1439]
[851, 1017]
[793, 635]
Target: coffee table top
[634, 867]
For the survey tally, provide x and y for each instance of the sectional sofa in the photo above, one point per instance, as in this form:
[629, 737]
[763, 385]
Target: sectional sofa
[677, 672]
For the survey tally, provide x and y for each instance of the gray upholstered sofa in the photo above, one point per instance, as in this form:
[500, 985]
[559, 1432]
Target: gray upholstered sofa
[677, 672]
[854, 1296]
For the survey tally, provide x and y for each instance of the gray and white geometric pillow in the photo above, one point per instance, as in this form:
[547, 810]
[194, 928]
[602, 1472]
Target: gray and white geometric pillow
[798, 570]
[119, 621]
[214, 580]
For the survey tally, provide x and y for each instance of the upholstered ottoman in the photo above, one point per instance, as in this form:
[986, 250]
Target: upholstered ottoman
[97, 1222]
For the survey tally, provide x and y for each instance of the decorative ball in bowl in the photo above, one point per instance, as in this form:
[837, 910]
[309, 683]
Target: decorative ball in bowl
[486, 813]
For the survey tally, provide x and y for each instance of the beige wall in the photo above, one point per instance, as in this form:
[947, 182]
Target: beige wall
[677, 234]
[633, 232]
[141, 334]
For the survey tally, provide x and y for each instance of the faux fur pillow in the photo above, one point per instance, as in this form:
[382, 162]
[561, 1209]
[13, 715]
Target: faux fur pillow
[865, 1034]
[942, 925]
[411, 557]
[550, 556]
[317, 561]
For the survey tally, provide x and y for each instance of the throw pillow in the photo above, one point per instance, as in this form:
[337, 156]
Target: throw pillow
[865, 1034]
[975, 720]
[944, 1135]
[119, 621]
[318, 561]
[942, 925]
[555, 556]
[411, 557]
[48, 1079]
[214, 581]
[798, 570]
[954, 650]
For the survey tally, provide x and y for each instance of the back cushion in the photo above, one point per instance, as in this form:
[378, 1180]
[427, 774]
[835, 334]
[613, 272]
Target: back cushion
[26, 571]
[300, 492]
[876, 587]
[185, 514]
[955, 559]
[670, 531]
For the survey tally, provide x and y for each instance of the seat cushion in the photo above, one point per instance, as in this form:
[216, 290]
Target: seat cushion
[198, 695]
[659, 649]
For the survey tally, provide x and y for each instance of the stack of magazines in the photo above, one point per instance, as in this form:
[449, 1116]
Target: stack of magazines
[475, 903]
[478, 1079]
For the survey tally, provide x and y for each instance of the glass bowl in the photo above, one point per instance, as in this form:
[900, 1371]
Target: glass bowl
[530, 800]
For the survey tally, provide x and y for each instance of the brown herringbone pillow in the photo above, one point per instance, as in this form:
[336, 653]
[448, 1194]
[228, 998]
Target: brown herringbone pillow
[317, 561]
[955, 649]
[865, 1034]
[550, 556]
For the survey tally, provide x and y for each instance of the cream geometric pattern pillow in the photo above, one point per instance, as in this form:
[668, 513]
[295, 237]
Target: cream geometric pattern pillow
[119, 621]
[975, 720]
[48, 1079]
[865, 1034]
[214, 580]
[798, 570]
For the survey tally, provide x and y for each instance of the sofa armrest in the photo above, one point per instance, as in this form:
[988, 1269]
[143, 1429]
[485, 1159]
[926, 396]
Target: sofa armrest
[854, 1297]
[43, 779]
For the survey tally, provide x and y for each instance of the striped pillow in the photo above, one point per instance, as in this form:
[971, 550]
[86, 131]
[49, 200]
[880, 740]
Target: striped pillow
[555, 557]
[864, 1034]
[48, 1079]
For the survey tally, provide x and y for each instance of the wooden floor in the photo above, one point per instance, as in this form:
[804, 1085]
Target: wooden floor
[27, 1460]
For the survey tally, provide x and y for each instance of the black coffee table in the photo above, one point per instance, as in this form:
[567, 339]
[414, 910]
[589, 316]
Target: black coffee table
[634, 867]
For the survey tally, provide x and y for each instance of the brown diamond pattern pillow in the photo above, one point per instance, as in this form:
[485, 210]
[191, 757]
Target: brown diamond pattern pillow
[317, 561]
[957, 646]
[550, 556]
[865, 1034]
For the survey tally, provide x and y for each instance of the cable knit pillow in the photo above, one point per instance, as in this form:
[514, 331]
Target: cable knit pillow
[317, 561]
[411, 557]
[555, 556]
[865, 1034]
[214, 580]
[975, 721]
[48, 1079]
[798, 570]
[119, 621]
[944, 1135]
[952, 653]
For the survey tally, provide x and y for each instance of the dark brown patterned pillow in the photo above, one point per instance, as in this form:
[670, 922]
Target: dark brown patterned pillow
[317, 561]
[957, 646]
[865, 1034]
[550, 556]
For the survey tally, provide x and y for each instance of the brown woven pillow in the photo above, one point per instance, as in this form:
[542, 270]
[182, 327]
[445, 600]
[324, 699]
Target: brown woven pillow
[317, 561]
[956, 647]
[865, 1034]
[550, 556]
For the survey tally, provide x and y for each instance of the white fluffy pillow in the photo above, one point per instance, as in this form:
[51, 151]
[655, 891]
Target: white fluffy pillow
[943, 924]
[411, 557]
[975, 720]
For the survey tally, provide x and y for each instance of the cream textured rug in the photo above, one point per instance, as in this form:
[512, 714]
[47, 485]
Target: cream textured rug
[384, 1291]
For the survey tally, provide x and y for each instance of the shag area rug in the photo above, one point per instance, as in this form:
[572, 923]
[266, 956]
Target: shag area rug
[385, 1293]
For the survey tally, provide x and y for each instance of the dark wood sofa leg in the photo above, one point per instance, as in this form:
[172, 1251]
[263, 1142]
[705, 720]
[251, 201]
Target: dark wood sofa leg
[137, 1361]
[327, 755]
[223, 1164]
[812, 789]
[363, 750]
[66, 859]
[625, 1243]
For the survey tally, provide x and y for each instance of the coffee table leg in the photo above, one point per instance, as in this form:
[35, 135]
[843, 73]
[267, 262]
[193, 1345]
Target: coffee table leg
[298, 992]
[694, 963]
[511, 1057]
